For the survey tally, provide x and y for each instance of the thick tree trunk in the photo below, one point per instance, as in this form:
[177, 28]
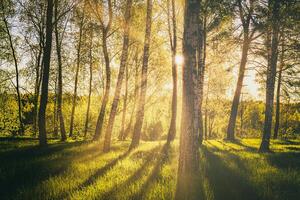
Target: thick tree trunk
[271, 74]
[45, 79]
[60, 85]
[142, 97]
[173, 43]
[76, 77]
[90, 86]
[123, 64]
[188, 151]
[277, 117]
[21, 130]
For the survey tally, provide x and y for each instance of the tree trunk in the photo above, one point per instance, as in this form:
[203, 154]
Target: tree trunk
[173, 43]
[201, 71]
[105, 30]
[76, 77]
[90, 86]
[45, 79]
[122, 132]
[277, 118]
[55, 128]
[136, 91]
[37, 88]
[245, 19]
[101, 116]
[188, 151]
[142, 97]
[21, 130]
[60, 85]
[123, 64]
[239, 85]
[271, 74]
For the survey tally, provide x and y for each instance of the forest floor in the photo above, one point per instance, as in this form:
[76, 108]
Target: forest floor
[79, 170]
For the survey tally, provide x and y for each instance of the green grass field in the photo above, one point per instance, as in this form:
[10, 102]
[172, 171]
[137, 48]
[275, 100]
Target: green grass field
[79, 170]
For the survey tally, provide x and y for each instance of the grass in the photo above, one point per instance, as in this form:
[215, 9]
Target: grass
[79, 170]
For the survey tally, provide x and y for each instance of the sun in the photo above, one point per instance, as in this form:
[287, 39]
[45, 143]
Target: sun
[179, 59]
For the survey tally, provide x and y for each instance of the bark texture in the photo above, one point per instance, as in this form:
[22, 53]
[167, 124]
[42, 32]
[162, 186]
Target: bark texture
[188, 151]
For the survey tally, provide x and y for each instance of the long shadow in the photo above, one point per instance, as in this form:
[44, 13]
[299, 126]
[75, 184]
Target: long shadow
[99, 173]
[286, 142]
[155, 174]
[28, 152]
[93, 178]
[237, 142]
[112, 193]
[27, 167]
[225, 182]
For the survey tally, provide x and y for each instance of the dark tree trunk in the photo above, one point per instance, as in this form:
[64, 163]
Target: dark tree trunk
[123, 64]
[60, 85]
[277, 117]
[271, 74]
[105, 30]
[76, 77]
[188, 151]
[90, 86]
[21, 130]
[45, 79]
[245, 17]
[237, 94]
[142, 97]
[173, 43]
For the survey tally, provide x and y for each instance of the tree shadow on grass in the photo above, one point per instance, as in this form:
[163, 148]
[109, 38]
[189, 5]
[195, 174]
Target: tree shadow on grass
[226, 183]
[27, 167]
[102, 171]
[286, 142]
[163, 158]
[112, 193]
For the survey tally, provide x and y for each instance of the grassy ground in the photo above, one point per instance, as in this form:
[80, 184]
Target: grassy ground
[78, 170]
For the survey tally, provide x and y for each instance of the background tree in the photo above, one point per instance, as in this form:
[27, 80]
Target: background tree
[142, 96]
